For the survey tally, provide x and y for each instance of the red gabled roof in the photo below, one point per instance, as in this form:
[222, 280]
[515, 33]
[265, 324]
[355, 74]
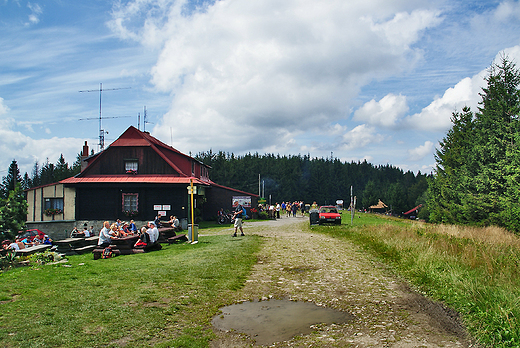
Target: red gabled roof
[134, 137]
[129, 178]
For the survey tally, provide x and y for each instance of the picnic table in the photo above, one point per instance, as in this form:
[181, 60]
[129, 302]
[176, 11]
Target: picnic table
[71, 246]
[32, 249]
[125, 246]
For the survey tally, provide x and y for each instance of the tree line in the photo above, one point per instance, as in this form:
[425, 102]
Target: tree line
[324, 180]
[476, 179]
[477, 176]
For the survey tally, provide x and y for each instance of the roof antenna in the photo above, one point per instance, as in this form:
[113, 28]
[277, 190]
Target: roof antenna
[145, 120]
[101, 130]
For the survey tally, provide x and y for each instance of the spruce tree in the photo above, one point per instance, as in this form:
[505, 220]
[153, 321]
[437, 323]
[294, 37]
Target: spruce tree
[477, 177]
[11, 179]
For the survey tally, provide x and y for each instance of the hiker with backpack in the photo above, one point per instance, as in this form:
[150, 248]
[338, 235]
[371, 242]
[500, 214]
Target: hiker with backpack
[238, 214]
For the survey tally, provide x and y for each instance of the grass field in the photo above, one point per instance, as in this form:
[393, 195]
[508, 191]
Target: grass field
[473, 270]
[164, 298]
[167, 298]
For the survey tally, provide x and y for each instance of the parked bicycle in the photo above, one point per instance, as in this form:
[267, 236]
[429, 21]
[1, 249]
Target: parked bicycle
[224, 217]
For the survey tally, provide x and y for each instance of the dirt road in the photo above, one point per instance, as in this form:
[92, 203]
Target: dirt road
[297, 264]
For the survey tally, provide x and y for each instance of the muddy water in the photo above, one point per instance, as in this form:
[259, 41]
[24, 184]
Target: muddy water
[273, 321]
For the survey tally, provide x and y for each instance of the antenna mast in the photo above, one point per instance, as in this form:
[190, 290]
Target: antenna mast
[145, 119]
[101, 130]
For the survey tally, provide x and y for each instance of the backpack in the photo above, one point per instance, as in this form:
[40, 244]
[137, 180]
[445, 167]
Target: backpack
[107, 253]
[244, 213]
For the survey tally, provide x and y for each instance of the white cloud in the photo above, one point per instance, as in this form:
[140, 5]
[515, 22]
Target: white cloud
[36, 11]
[247, 74]
[405, 28]
[437, 115]
[360, 137]
[507, 10]
[26, 150]
[420, 152]
[383, 113]
[3, 108]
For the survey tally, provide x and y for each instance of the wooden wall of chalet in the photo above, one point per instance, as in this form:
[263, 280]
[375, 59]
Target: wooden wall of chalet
[218, 197]
[104, 202]
[113, 162]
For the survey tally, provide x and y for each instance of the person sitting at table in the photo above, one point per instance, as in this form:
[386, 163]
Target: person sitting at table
[157, 221]
[47, 240]
[74, 232]
[86, 232]
[124, 230]
[153, 232]
[26, 242]
[80, 234]
[105, 235]
[13, 246]
[176, 224]
[6, 244]
[132, 227]
[116, 230]
[143, 240]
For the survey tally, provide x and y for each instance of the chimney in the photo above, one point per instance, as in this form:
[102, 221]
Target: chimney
[84, 155]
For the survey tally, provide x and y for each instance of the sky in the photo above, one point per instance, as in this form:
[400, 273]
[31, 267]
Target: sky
[355, 80]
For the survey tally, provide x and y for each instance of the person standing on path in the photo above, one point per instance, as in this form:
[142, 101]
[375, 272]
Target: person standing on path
[237, 215]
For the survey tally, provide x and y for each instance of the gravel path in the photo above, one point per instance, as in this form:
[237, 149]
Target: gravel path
[295, 263]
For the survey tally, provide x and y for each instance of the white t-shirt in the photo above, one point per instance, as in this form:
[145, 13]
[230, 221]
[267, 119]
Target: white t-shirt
[153, 233]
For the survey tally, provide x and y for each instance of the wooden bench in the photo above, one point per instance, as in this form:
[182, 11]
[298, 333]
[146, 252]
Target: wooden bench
[125, 246]
[177, 238]
[85, 249]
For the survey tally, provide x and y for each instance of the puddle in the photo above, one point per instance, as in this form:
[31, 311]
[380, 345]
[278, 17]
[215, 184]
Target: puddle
[273, 321]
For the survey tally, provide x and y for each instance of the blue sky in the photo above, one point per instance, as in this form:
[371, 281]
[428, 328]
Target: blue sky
[370, 79]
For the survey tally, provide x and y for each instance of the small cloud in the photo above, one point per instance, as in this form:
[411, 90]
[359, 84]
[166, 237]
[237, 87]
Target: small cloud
[384, 113]
[507, 10]
[36, 11]
[47, 130]
[420, 152]
[3, 108]
[359, 137]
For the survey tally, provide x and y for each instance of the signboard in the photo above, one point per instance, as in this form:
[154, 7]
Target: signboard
[166, 207]
[245, 201]
[161, 213]
[157, 207]
[162, 207]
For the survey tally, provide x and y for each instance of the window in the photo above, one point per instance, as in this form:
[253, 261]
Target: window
[53, 206]
[192, 168]
[130, 203]
[53, 203]
[131, 166]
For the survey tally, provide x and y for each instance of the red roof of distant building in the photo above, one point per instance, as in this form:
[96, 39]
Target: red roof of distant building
[412, 210]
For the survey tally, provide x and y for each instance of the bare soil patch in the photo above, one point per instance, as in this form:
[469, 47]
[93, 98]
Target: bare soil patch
[300, 265]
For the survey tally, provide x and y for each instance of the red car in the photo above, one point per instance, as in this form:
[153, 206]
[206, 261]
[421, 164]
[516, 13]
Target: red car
[31, 234]
[329, 214]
